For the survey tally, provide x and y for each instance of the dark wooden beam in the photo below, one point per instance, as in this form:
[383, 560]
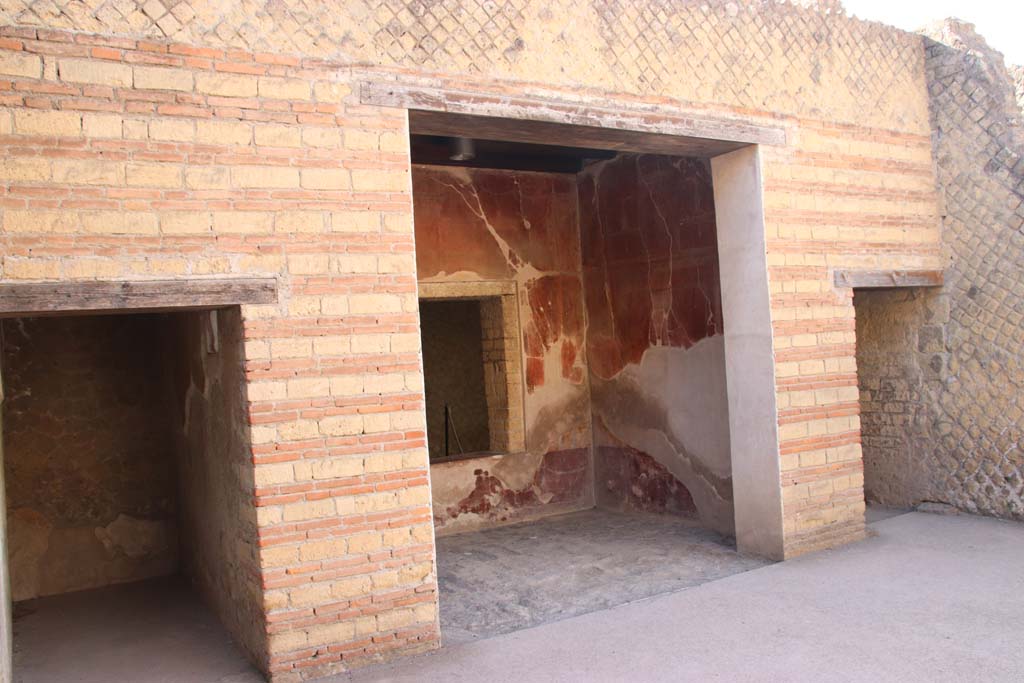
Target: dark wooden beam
[519, 119]
[49, 298]
[537, 132]
[883, 279]
[505, 163]
[513, 156]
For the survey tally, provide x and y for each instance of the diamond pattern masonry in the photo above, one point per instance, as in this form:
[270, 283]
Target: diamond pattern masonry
[764, 55]
[944, 417]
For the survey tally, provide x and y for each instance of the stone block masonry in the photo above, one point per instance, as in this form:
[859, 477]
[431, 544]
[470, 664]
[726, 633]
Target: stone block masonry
[215, 139]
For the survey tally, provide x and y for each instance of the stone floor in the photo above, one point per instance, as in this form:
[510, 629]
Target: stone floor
[929, 598]
[491, 582]
[516, 577]
[146, 632]
[926, 598]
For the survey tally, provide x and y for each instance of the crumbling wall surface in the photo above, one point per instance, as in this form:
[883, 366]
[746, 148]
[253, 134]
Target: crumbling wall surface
[87, 454]
[1017, 73]
[233, 138]
[900, 357]
[979, 151]
[654, 337]
[477, 225]
[944, 416]
[215, 472]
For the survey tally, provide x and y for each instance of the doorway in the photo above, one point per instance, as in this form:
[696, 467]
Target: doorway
[127, 516]
[610, 260]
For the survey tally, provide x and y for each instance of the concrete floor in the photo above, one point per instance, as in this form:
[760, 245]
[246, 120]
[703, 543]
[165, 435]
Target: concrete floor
[880, 513]
[147, 632]
[515, 577]
[929, 598]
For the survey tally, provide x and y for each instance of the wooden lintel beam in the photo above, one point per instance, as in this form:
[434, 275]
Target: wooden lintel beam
[882, 279]
[499, 117]
[48, 298]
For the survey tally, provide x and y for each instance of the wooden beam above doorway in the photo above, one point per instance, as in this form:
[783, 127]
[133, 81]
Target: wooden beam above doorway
[645, 129]
[885, 279]
[52, 298]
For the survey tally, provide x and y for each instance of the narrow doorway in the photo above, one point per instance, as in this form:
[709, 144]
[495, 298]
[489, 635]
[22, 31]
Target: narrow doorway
[901, 356]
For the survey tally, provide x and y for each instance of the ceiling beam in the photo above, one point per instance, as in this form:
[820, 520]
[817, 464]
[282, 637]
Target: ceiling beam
[886, 279]
[51, 298]
[518, 119]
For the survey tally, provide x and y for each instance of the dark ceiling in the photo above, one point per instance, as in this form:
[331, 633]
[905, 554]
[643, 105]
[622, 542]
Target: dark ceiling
[517, 156]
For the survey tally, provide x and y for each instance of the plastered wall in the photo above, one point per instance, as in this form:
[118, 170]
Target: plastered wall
[648, 273]
[88, 454]
[654, 337]
[520, 227]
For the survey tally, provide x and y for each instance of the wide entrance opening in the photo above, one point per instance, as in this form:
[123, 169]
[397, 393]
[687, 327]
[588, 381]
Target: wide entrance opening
[128, 497]
[576, 371]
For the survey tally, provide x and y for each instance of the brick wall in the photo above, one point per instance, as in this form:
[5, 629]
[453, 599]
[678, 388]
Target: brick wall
[840, 197]
[127, 160]
[225, 138]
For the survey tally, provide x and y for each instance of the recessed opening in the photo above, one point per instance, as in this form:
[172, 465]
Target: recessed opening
[471, 369]
[124, 444]
[457, 403]
[613, 323]
[900, 356]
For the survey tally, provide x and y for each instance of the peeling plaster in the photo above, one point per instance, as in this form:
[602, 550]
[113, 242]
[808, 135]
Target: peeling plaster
[673, 407]
[654, 334]
[618, 283]
[476, 225]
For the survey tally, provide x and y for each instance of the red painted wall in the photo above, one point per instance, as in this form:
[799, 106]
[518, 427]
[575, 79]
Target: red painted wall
[483, 224]
[650, 273]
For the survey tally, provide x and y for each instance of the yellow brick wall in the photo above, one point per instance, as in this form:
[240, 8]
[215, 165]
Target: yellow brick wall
[839, 196]
[213, 164]
[227, 138]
